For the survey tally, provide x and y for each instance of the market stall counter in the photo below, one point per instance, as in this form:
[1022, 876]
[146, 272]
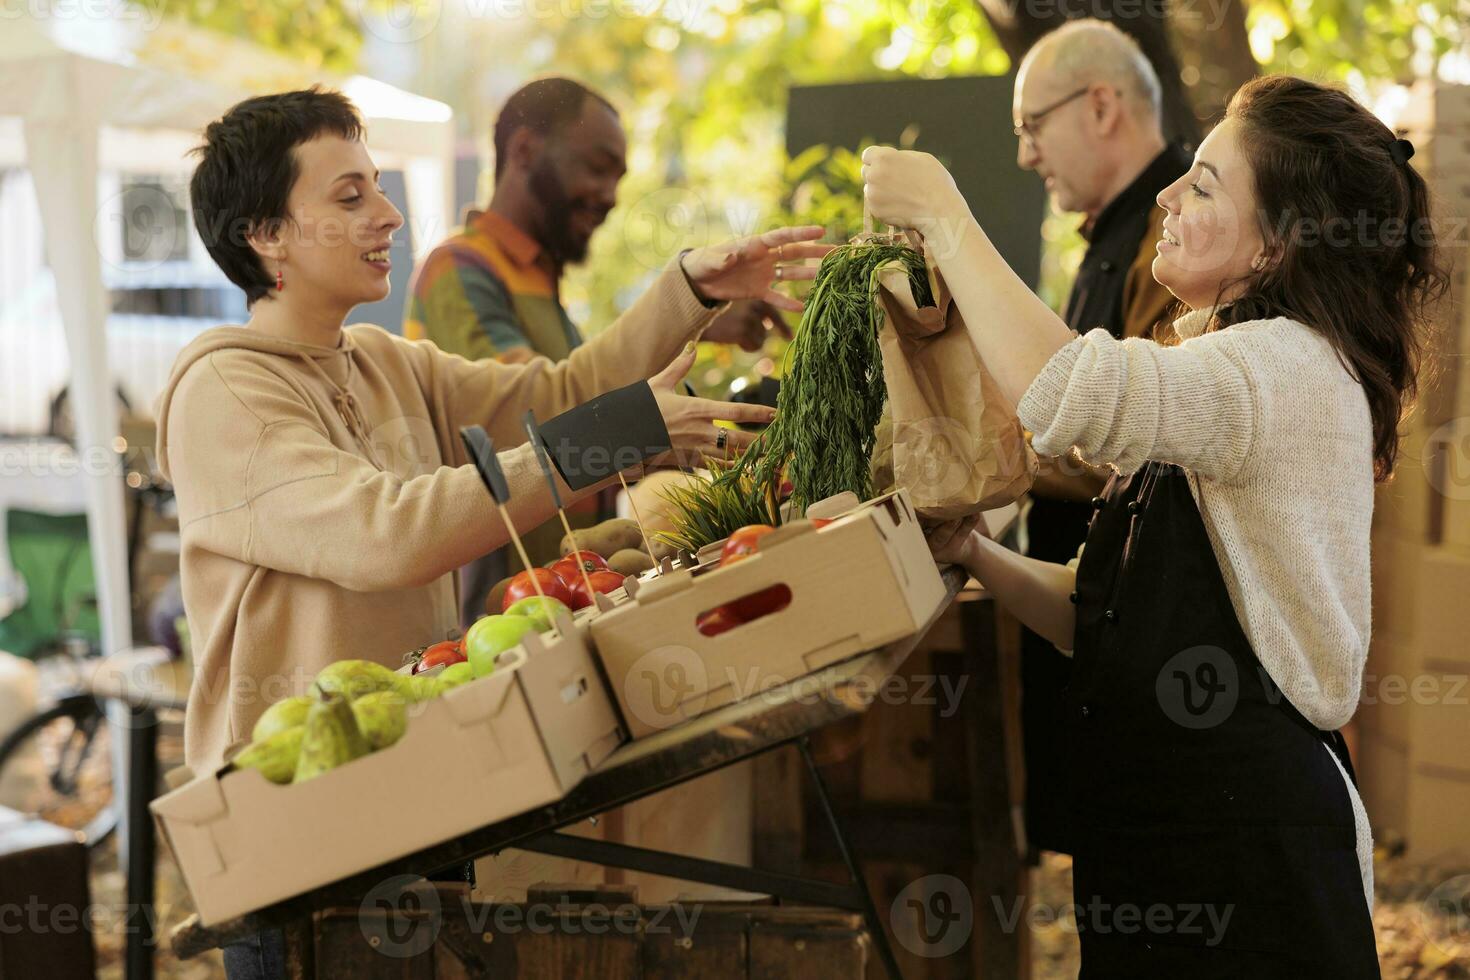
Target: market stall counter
[779, 715]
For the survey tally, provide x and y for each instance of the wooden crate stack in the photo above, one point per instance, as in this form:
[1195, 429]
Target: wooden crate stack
[1415, 720]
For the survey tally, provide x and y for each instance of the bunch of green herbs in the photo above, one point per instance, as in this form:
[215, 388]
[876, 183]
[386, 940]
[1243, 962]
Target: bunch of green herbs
[832, 396]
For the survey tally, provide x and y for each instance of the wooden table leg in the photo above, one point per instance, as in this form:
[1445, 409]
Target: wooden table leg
[301, 949]
[1001, 946]
[142, 780]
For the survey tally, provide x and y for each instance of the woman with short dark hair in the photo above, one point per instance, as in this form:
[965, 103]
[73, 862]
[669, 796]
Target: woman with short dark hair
[324, 494]
[1219, 615]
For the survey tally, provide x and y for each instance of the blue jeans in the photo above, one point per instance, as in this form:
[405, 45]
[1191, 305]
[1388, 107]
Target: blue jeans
[261, 957]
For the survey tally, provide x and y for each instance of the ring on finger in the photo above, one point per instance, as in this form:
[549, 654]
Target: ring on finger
[721, 439]
[780, 272]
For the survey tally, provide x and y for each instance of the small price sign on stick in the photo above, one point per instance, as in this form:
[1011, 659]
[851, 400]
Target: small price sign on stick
[638, 519]
[481, 451]
[536, 444]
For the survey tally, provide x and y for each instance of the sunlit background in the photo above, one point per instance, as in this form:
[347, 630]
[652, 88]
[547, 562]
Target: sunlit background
[702, 85]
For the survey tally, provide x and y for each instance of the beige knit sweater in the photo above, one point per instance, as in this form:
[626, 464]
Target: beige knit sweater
[325, 497]
[1277, 439]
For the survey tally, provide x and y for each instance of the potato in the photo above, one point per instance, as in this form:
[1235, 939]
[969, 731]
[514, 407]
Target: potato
[630, 561]
[607, 538]
[496, 597]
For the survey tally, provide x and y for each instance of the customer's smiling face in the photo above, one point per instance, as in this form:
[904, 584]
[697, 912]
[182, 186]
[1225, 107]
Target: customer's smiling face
[340, 225]
[1212, 232]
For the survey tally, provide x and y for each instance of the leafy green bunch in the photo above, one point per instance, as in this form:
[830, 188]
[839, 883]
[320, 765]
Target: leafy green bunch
[832, 396]
[833, 391]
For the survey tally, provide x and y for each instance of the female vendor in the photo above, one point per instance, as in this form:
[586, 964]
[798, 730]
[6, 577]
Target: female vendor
[1219, 614]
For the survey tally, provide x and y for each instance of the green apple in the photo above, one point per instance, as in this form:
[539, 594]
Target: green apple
[541, 610]
[492, 636]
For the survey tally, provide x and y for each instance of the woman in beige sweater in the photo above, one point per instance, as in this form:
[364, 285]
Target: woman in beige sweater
[324, 495]
[1219, 615]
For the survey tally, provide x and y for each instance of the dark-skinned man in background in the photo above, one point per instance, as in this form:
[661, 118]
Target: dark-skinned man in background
[492, 288]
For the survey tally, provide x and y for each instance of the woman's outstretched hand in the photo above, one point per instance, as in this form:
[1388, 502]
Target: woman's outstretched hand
[909, 189]
[691, 421]
[748, 268]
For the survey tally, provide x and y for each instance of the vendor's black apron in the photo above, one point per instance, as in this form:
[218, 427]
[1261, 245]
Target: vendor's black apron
[1196, 786]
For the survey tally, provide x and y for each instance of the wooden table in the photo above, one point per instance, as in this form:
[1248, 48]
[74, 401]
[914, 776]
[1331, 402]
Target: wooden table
[730, 734]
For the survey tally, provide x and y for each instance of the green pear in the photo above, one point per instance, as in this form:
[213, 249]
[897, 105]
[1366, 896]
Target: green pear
[331, 737]
[290, 713]
[454, 675]
[382, 717]
[354, 678]
[275, 755]
[419, 687]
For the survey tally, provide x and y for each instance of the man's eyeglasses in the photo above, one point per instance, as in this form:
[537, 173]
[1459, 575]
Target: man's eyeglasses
[1027, 128]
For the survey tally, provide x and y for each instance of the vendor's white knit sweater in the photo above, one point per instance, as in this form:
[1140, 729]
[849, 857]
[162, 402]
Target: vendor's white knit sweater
[1277, 439]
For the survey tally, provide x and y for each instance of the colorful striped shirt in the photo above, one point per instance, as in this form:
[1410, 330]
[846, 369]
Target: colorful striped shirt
[490, 291]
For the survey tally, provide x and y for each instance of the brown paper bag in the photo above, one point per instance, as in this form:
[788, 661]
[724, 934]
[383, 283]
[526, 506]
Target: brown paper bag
[947, 437]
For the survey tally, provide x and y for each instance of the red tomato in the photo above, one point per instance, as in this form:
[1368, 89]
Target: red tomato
[521, 588]
[743, 542]
[568, 569]
[720, 619]
[768, 600]
[445, 652]
[602, 581]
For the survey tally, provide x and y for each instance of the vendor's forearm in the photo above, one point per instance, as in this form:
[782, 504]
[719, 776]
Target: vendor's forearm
[1014, 331]
[1067, 478]
[1038, 593]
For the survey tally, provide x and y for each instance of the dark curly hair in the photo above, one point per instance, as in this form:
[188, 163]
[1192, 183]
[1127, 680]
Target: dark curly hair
[1348, 226]
[247, 168]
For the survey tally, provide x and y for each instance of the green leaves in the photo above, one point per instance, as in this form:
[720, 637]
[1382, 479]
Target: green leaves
[833, 392]
[832, 395]
[711, 507]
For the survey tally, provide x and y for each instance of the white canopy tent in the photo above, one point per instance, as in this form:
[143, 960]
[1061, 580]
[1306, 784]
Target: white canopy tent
[74, 83]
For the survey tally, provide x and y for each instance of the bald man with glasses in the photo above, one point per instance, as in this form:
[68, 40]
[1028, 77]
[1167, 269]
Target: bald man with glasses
[1087, 119]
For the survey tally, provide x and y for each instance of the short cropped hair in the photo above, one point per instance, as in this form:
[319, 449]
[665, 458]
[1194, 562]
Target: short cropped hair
[247, 168]
[544, 107]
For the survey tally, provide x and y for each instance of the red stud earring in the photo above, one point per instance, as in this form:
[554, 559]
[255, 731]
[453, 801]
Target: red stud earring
[280, 282]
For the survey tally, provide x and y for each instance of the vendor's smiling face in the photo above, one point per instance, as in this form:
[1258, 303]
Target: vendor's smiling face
[1212, 240]
[340, 224]
[575, 180]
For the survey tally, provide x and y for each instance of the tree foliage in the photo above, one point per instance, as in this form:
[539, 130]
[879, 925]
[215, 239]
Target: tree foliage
[702, 86]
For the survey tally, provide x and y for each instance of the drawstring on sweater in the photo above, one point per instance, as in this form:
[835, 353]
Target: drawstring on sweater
[347, 406]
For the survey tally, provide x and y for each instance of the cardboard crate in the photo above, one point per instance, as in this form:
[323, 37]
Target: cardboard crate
[1443, 623]
[493, 748]
[1404, 506]
[1396, 560]
[1457, 524]
[1383, 781]
[865, 580]
[1436, 105]
[1393, 662]
[1439, 711]
[1437, 823]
